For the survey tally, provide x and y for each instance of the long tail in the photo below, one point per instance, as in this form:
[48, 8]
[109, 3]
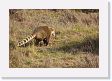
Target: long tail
[26, 40]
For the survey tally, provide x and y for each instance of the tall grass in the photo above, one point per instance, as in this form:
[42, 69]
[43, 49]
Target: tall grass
[76, 44]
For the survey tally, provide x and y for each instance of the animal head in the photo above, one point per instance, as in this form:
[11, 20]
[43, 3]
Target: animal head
[52, 31]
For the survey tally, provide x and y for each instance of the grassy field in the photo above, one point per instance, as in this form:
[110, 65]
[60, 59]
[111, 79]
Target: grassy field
[76, 44]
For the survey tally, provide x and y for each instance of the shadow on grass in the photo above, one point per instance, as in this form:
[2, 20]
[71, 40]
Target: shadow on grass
[88, 45]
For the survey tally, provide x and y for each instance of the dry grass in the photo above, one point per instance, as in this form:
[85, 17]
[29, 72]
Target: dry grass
[76, 44]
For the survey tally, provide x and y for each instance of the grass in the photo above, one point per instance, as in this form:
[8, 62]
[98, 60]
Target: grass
[76, 44]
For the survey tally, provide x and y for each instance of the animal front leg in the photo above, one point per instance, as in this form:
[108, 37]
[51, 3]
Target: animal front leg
[46, 41]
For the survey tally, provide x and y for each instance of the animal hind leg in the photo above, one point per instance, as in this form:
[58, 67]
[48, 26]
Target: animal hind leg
[40, 43]
[37, 42]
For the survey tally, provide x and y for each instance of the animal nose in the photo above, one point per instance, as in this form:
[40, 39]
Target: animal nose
[54, 35]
